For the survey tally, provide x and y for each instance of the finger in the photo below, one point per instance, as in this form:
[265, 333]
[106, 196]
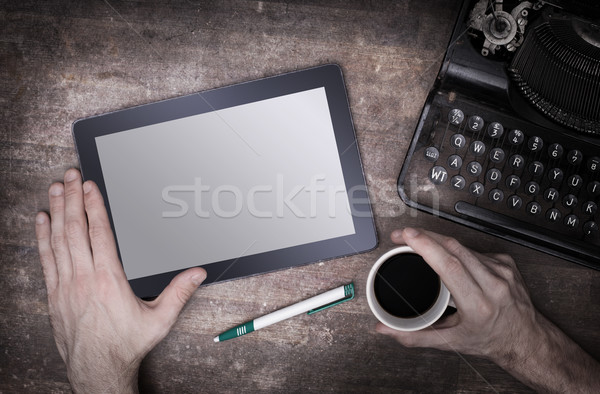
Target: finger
[471, 259]
[174, 297]
[104, 249]
[448, 266]
[58, 239]
[42, 232]
[76, 228]
[475, 262]
[501, 258]
[396, 237]
[428, 337]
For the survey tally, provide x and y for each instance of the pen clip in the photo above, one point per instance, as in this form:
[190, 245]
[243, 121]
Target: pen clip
[348, 293]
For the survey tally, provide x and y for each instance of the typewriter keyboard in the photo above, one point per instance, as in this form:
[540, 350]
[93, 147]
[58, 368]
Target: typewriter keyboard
[506, 176]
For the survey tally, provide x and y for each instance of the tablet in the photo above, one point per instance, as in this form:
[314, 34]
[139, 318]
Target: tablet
[240, 180]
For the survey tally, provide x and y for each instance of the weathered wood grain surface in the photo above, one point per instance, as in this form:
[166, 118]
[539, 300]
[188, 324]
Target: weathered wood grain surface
[63, 60]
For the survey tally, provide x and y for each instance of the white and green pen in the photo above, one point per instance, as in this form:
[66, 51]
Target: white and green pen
[311, 305]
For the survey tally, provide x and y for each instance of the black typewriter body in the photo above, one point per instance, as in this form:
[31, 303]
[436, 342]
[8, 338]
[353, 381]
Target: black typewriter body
[508, 141]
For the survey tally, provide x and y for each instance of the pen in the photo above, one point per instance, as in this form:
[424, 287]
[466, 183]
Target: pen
[312, 305]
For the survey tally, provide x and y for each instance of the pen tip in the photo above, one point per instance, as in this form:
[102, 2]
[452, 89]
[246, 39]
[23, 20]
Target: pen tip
[216, 339]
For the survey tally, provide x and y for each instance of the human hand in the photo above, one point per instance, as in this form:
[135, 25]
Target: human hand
[495, 318]
[493, 305]
[102, 330]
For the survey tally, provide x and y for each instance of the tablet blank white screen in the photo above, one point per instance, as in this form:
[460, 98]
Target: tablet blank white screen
[225, 184]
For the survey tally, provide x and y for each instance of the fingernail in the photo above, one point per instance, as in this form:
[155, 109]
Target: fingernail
[40, 218]
[87, 187]
[397, 234]
[70, 176]
[411, 232]
[56, 190]
[198, 279]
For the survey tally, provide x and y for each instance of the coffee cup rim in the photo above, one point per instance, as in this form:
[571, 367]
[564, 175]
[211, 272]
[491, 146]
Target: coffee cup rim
[398, 323]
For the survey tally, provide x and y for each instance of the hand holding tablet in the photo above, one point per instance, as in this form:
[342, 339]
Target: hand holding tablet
[240, 180]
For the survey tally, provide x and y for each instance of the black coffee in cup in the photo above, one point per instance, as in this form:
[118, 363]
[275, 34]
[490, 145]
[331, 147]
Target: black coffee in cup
[406, 286]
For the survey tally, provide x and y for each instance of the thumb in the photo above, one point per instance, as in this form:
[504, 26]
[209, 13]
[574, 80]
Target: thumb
[427, 337]
[174, 297]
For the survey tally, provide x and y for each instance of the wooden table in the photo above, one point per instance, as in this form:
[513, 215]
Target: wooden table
[63, 60]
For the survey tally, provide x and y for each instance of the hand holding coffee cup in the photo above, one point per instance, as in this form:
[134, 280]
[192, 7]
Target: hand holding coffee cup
[494, 317]
[404, 292]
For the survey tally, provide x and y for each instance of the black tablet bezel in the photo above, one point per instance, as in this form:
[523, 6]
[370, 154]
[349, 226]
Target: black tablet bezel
[330, 77]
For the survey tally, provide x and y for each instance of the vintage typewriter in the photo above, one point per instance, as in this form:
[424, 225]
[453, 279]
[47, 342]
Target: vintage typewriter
[509, 138]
